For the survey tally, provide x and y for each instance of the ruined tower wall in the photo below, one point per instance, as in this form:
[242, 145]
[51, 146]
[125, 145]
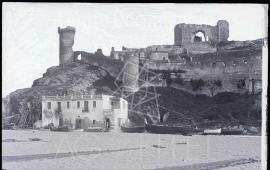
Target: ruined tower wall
[184, 34]
[131, 73]
[223, 30]
[178, 35]
[66, 41]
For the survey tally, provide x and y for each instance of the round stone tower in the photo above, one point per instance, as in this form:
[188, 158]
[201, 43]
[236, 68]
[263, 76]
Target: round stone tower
[66, 41]
[131, 73]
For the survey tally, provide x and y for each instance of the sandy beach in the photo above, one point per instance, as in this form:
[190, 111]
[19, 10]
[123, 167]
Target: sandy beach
[27, 149]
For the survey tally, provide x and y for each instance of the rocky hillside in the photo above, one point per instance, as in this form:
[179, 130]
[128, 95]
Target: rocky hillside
[180, 107]
[98, 73]
[73, 78]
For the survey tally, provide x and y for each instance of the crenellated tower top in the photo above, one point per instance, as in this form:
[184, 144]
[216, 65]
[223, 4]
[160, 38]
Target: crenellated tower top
[67, 29]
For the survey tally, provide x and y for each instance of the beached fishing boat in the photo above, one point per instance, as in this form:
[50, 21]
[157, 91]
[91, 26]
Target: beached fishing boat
[94, 129]
[231, 131]
[60, 129]
[197, 131]
[133, 129]
[10, 126]
[166, 129]
[212, 131]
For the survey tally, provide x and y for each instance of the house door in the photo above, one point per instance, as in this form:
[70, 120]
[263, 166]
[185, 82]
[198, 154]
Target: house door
[108, 123]
[78, 123]
[61, 122]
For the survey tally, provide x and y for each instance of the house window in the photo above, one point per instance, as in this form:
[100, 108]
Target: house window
[49, 105]
[68, 105]
[78, 104]
[213, 65]
[94, 104]
[85, 106]
[59, 106]
[94, 122]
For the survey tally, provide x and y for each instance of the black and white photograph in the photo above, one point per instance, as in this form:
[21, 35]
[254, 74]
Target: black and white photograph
[134, 86]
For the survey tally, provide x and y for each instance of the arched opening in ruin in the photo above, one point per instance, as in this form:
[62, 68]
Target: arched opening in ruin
[79, 57]
[199, 37]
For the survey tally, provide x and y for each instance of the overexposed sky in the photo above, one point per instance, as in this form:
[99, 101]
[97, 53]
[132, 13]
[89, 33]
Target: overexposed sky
[30, 38]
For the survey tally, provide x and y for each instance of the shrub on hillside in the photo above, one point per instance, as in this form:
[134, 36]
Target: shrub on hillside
[196, 84]
[218, 83]
[241, 84]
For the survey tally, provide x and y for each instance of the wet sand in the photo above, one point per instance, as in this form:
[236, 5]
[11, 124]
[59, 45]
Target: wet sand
[90, 150]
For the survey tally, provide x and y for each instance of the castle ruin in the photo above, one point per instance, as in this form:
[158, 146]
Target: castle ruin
[199, 52]
[187, 34]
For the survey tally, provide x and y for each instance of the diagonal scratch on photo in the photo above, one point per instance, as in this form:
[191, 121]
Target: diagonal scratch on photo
[134, 86]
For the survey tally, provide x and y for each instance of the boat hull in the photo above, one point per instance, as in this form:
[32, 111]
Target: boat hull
[212, 132]
[60, 129]
[94, 130]
[137, 129]
[231, 132]
[162, 129]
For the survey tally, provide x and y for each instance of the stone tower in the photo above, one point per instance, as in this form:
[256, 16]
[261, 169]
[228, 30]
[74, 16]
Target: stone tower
[223, 30]
[66, 41]
[131, 73]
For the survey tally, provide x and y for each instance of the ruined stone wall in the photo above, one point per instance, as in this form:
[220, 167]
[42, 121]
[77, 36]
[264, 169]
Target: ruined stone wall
[114, 67]
[184, 34]
[224, 63]
[166, 66]
[159, 56]
[223, 30]
[230, 67]
[66, 41]
[200, 48]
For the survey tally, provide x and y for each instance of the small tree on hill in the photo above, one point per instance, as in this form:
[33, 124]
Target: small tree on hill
[196, 84]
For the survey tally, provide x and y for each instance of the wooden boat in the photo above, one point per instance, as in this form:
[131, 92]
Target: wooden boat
[197, 131]
[10, 126]
[78, 130]
[94, 129]
[133, 129]
[231, 131]
[166, 129]
[60, 129]
[212, 131]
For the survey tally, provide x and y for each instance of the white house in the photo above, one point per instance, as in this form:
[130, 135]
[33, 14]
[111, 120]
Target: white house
[84, 111]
